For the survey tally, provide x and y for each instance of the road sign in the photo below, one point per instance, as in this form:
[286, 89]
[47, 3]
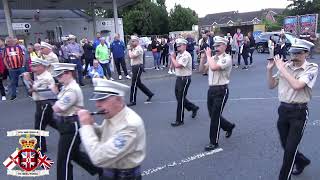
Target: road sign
[21, 26]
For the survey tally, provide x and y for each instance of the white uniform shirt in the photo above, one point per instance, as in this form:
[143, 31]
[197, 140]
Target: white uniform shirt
[120, 142]
[307, 73]
[70, 99]
[41, 82]
[185, 60]
[222, 76]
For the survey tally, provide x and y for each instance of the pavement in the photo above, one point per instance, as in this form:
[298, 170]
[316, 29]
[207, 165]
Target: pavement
[252, 153]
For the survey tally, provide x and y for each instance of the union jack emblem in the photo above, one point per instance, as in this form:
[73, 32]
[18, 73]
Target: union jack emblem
[44, 161]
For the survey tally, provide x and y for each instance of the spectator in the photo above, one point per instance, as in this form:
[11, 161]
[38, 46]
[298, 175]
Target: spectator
[238, 40]
[2, 72]
[229, 48]
[165, 52]
[210, 37]
[313, 39]
[64, 54]
[48, 55]
[14, 61]
[88, 54]
[171, 51]
[37, 49]
[190, 48]
[96, 41]
[281, 46]
[271, 44]
[32, 54]
[117, 49]
[75, 52]
[96, 71]
[156, 48]
[245, 51]
[252, 47]
[103, 55]
[203, 46]
[26, 54]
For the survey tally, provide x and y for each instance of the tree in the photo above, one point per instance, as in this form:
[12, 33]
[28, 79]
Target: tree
[146, 17]
[181, 18]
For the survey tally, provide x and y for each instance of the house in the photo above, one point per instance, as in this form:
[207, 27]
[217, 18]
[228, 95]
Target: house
[229, 21]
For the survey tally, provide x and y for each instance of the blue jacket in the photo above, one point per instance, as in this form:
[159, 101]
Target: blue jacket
[117, 48]
[96, 43]
[93, 72]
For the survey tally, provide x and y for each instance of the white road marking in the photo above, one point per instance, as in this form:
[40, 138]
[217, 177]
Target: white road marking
[230, 99]
[178, 163]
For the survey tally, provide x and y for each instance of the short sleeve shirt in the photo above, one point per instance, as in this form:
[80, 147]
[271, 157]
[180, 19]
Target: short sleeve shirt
[70, 99]
[119, 143]
[222, 76]
[42, 82]
[185, 60]
[137, 51]
[307, 73]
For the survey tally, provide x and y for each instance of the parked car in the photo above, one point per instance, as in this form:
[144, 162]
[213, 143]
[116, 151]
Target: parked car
[145, 42]
[262, 40]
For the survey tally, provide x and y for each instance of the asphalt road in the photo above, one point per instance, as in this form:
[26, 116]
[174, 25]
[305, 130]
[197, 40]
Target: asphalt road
[252, 153]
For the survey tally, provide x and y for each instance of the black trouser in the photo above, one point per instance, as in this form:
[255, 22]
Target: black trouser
[2, 90]
[245, 59]
[144, 61]
[181, 91]
[291, 124]
[68, 149]
[239, 56]
[122, 174]
[122, 62]
[136, 83]
[164, 58]
[251, 55]
[217, 98]
[43, 117]
[87, 61]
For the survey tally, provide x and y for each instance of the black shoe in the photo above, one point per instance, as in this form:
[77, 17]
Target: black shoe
[149, 99]
[13, 98]
[245, 68]
[229, 133]
[81, 84]
[177, 123]
[299, 168]
[131, 104]
[195, 112]
[211, 147]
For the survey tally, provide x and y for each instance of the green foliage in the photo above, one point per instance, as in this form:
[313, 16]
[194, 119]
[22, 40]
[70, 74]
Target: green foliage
[182, 18]
[146, 18]
[149, 17]
[271, 26]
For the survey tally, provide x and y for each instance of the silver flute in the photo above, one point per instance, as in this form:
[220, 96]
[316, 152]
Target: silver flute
[97, 113]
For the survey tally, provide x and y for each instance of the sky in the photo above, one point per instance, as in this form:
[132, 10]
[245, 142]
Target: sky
[203, 7]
